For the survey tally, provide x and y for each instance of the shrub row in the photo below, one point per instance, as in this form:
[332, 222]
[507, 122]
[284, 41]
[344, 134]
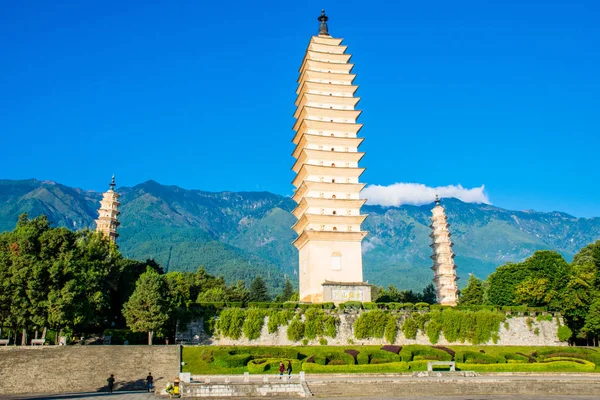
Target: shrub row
[230, 358]
[373, 368]
[271, 365]
[556, 366]
[419, 353]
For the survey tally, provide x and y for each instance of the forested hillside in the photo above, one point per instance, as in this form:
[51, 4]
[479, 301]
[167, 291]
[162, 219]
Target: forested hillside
[241, 235]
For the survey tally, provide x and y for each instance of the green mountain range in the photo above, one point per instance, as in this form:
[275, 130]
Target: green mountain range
[245, 234]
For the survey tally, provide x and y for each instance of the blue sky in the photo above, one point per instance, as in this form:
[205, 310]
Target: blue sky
[201, 94]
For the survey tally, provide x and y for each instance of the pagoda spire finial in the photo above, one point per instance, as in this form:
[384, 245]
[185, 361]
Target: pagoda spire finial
[112, 183]
[437, 199]
[323, 29]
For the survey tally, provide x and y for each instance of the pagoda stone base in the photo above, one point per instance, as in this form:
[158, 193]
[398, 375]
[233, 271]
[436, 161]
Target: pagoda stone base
[340, 292]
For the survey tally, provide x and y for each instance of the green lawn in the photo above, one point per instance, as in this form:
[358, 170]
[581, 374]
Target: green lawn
[214, 360]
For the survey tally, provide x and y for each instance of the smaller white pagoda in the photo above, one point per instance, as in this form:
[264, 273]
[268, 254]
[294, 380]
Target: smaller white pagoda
[444, 270]
[108, 213]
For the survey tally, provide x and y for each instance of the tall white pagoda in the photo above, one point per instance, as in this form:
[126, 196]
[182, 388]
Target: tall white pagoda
[444, 270]
[327, 175]
[108, 213]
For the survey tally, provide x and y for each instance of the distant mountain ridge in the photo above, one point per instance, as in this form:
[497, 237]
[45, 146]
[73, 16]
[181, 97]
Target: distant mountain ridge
[242, 234]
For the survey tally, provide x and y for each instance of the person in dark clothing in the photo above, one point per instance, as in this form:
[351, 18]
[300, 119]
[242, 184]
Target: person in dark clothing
[149, 380]
[289, 369]
[281, 369]
[111, 383]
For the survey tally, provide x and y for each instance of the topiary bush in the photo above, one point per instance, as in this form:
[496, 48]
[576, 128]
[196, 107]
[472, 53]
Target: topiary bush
[295, 331]
[230, 322]
[564, 333]
[331, 323]
[313, 323]
[279, 318]
[391, 329]
[253, 323]
[370, 324]
[433, 330]
[410, 328]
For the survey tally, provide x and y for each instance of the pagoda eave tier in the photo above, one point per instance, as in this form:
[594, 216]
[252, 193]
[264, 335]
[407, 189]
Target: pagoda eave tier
[306, 202]
[328, 57]
[307, 139]
[310, 75]
[322, 66]
[328, 236]
[310, 186]
[326, 39]
[329, 219]
[327, 89]
[318, 170]
[327, 47]
[326, 115]
[323, 101]
[310, 154]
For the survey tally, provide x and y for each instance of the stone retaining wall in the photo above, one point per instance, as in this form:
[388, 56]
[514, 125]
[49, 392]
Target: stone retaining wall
[61, 369]
[519, 333]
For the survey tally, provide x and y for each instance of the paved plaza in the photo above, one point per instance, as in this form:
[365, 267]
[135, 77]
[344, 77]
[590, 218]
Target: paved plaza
[146, 396]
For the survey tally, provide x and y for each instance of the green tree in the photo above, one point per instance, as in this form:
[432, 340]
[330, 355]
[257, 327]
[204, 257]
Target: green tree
[473, 293]
[592, 321]
[258, 290]
[287, 292]
[239, 292]
[148, 308]
[213, 295]
[504, 289]
[428, 295]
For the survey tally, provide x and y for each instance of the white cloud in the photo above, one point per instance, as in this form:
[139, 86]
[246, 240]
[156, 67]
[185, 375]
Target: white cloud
[417, 194]
[371, 243]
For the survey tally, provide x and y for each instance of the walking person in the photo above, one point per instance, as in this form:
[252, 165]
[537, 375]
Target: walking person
[111, 383]
[281, 369]
[289, 370]
[149, 380]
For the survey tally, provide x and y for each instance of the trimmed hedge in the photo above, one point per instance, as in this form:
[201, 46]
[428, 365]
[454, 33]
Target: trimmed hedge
[419, 352]
[270, 352]
[350, 305]
[362, 358]
[382, 357]
[515, 358]
[230, 358]
[369, 368]
[473, 357]
[271, 365]
[556, 366]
